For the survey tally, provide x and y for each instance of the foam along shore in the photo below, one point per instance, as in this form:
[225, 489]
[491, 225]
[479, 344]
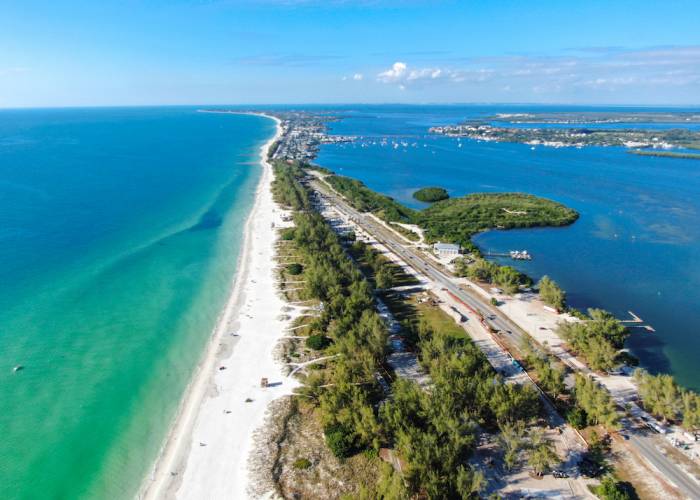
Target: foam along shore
[206, 452]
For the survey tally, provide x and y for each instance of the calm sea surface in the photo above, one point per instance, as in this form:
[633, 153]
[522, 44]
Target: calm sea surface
[119, 234]
[635, 248]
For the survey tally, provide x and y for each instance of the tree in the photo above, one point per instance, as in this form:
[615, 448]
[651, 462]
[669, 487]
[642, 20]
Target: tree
[317, 342]
[295, 269]
[604, 324]
[512, 439]
[384, 277]
[481, 270]
[600, 354]
[551, 293]
[598, 338]
[577, 417]
[339, 440]
[595, 401]
[550, 378]
[611, 489]
[660, 394]
[469, 482]
[541, 454]
[431, 194]
[691, 410]
[508, 278]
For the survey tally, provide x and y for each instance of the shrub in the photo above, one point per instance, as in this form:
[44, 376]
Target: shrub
[339, 440]
[301, 463]
[612, 489]
[295, 269]
[494, 301]
[317, 342]
[577, 417]
[287, 233]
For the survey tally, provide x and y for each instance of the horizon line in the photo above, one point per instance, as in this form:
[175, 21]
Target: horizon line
[386, 103]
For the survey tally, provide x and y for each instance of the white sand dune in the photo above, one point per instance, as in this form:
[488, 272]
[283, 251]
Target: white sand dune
[206, 453]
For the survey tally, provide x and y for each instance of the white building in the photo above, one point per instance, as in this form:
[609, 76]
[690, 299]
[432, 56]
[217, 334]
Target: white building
[446, 249]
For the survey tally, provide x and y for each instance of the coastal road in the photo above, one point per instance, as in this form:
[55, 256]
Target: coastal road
[496, 319]
[647, 447]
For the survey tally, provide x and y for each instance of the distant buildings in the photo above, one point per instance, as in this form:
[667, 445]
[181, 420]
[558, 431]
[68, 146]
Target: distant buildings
[446, 250]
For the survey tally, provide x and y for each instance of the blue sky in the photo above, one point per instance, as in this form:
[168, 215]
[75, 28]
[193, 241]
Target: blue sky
[140, 52]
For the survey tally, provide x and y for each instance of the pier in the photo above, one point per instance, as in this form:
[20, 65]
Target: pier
[637, 322]
[513, 254]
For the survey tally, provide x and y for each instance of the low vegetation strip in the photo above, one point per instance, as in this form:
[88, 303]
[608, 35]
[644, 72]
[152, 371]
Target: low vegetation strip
[366, 200]
[666, 154]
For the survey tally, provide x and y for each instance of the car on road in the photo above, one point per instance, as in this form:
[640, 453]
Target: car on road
[559, 474]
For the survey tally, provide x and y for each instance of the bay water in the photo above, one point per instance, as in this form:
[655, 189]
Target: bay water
[636, 246]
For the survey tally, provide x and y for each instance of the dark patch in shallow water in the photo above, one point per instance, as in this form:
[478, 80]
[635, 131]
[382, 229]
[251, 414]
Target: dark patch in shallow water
[648, 347]
[210, 220]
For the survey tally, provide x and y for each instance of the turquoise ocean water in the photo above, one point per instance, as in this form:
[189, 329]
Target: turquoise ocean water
[119, 234]
[635, 248]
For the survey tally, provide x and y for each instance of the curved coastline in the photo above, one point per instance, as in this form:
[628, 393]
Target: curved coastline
[176, 458]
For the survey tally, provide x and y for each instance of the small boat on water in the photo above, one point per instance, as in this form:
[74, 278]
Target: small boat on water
[520, 255]
[18, 368]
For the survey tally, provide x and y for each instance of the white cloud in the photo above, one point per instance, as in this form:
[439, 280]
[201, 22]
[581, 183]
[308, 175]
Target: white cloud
[357, 77]
[395, 74]
[400, 73]
[589, 72]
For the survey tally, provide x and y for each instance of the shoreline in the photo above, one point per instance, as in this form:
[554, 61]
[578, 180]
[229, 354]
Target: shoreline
[236, 333]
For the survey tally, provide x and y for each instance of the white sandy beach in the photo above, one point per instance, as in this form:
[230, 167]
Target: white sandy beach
[206, 453]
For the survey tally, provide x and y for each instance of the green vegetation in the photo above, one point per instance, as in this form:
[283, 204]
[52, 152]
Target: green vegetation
[317, 342]
[542, 455]
[287, 189]
[287, 234]
[431, 194]
[366, 200]
[410, 235]
[598, 338]
[345, 390]
[577, 417]
[339, 440]
[579, 136]
[506, 277]
[665, 154]
[434, 431]
[666, 399]
[295, 269]
[549, 377]
[378, 268]
[301, 463]
[612, 489]
[458, 219]
[596, 401]
[551, 294]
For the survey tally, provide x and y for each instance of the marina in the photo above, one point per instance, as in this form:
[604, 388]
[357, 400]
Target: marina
[513, 254]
